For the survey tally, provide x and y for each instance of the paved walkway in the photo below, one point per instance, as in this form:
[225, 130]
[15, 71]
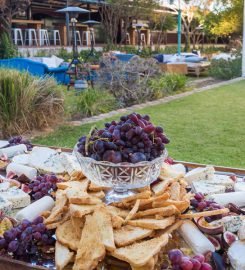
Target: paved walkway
[150, 103]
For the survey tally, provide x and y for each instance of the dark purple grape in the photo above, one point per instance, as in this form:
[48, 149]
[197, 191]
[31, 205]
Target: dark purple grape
[37, 236]
[106, 135]
[135, 140]
[159, 129]
[113, 123]
[130, 134]
[138, 130]
[116, 135]
[37, 220]
[35, 189]
[137, 157]
[133, 118]
[8, 236]
[129, 144]
[82, 139]
[146, 117]
[40, 227]
[175, 256]
[13, 246]
[100, 132]
[112, 156]
[141, 124]
[126, 127]
[3, 243]
[120, 143]
[110, 146]
[123, 118]
[107, 125]
[95, 157]
[99, 147]
[158, 141]
[45, 238]
[149, 129]
[140, 145]
[111, 129]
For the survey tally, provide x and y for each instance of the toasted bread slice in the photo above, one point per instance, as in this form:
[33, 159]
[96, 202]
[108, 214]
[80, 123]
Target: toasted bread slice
[115, 211]
[67, 235]
[175, 191]
[81, 185]
[133, 211]
[163, 211]
[149, 266]
[91, 250]
[142, 195]
[103, 219]
[181, 205]
[161, 187]
[78, 224]
[152, 224]
[62, 256]
[97, 194]
[77, 196]
[81, 210]
[60, 205]
[94, 187]
[130, 234]
[117, 222]
[139, 254]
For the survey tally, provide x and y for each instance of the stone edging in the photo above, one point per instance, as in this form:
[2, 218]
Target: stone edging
[151, 103]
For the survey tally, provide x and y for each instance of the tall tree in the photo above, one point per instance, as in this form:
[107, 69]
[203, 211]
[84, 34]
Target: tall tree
[116, 12]
[8, 9]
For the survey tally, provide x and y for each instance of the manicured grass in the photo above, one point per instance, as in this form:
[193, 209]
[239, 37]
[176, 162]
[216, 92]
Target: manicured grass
[207, 127]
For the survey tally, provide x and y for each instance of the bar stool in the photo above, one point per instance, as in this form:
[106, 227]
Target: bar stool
[78, 35]
[128, 41]
[55, 37]
[86, 38]
[142, 39]
[31, 35]
[43, 37]
[17, 36]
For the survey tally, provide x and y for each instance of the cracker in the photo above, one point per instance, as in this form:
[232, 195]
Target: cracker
[163, 211]
[94, 187]
[91, 250]
[62, 256]
[152, 224]
[77, 196]
[143, 195]
[81, 210]
[97, 194]
[133, 211]
[175, 191]
[79, 185]
[66, 235]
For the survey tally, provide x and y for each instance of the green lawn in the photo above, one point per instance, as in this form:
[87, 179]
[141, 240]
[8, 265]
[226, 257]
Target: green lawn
[206, 127]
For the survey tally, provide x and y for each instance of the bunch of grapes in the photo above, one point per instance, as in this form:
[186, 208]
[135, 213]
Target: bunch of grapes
[133, 139]
[181, 262]
[201, 204]
[43, 185]
[19, 140]
[26, 237]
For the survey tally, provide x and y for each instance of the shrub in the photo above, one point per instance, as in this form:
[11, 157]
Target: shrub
[167, 84]
[226, 69]
[27, 102]
[7, 48]
[128, 81]
[93, 102]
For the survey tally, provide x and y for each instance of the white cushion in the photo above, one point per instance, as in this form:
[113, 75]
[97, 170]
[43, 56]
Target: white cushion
[50, 62]
[58, 61]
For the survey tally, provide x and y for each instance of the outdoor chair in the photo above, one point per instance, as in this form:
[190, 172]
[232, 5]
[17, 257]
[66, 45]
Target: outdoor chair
[142, 39]
[43, 37]
[17, 36]
[128, 41]
[55, 37]
[31, 36]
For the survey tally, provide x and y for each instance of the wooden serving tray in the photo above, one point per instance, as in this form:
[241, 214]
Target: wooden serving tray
[11, 264]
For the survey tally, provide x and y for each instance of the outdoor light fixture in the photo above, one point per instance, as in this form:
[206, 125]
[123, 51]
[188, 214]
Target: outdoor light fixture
[90, 24]
[179, 22]
[73, 14]
[138, 27]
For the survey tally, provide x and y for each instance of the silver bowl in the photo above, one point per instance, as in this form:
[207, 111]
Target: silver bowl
[120, 177]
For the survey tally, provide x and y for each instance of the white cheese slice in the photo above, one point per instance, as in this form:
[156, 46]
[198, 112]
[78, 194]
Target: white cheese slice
[179, 168]
[13, 150]
[4, 186]
[22, 159]
[5, 206]
[241, 231]
[70, 163]
[17, 197]
[3, 143]
[208, 189]
[221, 180]
[46, 160]
[169, 172]
[239, 186]
[18, 169]
[35, 209]
[197, 174]
[236, 255]
[232, 223]
[237, 198]
[196, 240]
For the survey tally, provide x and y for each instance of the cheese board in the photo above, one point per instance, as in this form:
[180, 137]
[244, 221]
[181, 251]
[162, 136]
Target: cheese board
[55, 212]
